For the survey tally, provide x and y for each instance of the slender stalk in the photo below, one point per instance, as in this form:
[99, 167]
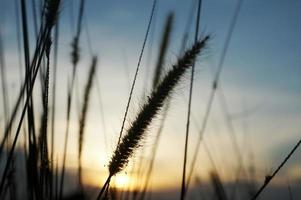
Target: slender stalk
[56, 38]
[18, 32]
[31, 161]
[56, 185]
[137, 70]
[215, 85]
[70, 89]
[50, 18]
[234, 142]
[135, 78]
[156, 80]
[83, 117]
[34, 15]
[75, 56]
[104, 187]
[18, 128]
[43, 144]
[269, 178]
[132, 140]
[187, 28]
[3, 81]
[11, 177]
[163, 49]
[183, 188]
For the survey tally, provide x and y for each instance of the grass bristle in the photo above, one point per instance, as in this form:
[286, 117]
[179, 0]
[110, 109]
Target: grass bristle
[135, 134]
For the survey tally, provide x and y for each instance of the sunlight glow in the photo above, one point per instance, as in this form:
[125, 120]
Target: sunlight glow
[122, 180]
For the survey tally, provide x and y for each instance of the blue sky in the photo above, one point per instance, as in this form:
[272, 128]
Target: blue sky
[261, 71]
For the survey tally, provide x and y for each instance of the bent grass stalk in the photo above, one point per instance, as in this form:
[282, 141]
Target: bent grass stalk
[132, 140]
[83, 117]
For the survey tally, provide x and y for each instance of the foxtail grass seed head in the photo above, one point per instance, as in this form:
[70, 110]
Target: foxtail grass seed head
[86, 104]
[163, 49]
[155, 101]
[52, 10]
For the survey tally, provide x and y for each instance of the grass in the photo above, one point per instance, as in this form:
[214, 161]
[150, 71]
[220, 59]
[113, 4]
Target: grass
[137, 70]
[157, 76]
[132, 140]
[83, 117]
[51, 12]
[38, 25]
[75, 56]
[183, 187]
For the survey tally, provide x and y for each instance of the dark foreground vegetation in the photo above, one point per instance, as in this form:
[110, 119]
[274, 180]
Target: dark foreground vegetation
[30, 170]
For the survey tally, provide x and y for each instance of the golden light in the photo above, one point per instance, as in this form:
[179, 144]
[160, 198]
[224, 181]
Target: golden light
[121, 180]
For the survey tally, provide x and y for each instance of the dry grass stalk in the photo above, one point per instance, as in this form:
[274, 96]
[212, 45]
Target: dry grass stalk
[135, 134]
[83, 116]
[137, 70]
[51, 12]
[43, 145]
[75, 56]
[156, 80]
[183, 186]
[132, 140]
[163, 49]
[268, 178]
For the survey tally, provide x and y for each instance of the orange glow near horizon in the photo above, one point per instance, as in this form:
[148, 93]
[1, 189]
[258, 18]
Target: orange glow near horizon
[122, 181]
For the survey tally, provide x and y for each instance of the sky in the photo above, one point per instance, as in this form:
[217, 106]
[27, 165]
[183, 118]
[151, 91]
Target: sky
[260, 81]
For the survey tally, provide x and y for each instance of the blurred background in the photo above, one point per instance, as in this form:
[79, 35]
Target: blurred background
[255, 117]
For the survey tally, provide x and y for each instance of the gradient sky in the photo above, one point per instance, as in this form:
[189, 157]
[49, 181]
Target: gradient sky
[260, 80]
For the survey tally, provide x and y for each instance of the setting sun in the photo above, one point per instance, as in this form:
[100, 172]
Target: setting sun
[140, 100]
[122, 180]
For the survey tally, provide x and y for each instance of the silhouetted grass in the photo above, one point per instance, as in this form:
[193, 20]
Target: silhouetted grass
[268, 178]
[131, 141]
[137, 70]
[156, 80]
[42, 178]
[83, 116]
[183, 186]
[75, 56]
[50, 16]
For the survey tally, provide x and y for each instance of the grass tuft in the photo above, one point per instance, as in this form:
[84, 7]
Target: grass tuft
[155, 101]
